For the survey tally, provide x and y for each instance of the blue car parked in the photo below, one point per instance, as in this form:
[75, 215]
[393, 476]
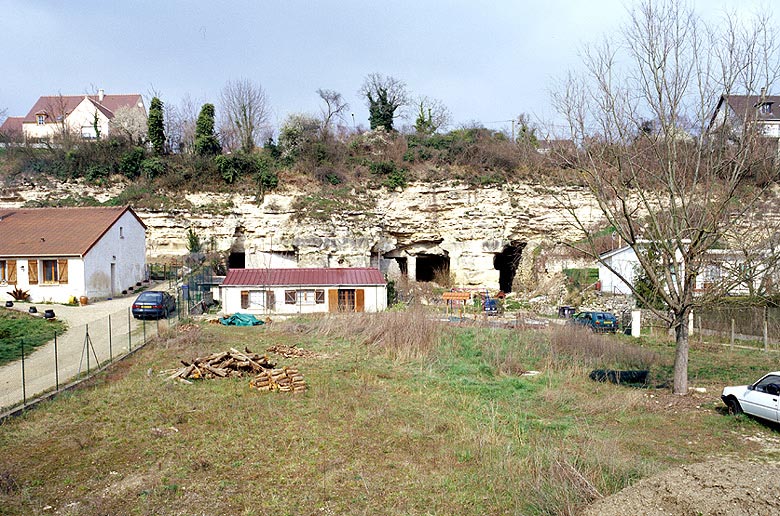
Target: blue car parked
[598, 322]
[154, 304]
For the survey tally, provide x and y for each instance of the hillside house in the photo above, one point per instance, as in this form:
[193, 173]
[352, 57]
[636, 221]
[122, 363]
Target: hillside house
[87, 116]
[59, 253]
[723, 268]
[734, 112]
[297, 291]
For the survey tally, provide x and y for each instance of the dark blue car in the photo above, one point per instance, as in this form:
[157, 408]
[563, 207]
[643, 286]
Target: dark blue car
[154, 304]
[598, 322]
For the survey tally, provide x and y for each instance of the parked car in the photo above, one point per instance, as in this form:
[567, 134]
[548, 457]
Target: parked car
[599, 322]
[759, 399]
[154, 304]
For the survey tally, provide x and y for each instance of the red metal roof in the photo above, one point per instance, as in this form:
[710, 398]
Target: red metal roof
[304, 277]
[56, 231]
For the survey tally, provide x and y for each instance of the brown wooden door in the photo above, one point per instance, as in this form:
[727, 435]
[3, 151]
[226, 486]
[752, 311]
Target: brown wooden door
[333, 300]
[360, 300]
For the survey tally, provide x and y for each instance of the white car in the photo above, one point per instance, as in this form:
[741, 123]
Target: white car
[761, 399]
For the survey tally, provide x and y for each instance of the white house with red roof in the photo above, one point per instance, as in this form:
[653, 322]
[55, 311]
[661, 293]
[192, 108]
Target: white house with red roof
[302, 291]
[59, 253]
[88, 116]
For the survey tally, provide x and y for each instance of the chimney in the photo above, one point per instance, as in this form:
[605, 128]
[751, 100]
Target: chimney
[101, 94]
[763, 93]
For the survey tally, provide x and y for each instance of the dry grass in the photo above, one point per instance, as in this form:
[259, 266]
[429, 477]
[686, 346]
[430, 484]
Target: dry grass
[403, 335]
[454, 431]
[584, 347]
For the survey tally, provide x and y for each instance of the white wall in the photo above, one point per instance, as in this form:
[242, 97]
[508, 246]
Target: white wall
[625, 263]
[375, 298]
[41, 292]
[124, 245]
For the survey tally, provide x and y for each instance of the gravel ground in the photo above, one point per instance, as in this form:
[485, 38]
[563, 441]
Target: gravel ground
[719, 487]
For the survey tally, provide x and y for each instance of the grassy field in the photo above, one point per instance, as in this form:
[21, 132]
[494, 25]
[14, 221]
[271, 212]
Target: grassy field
[402, 416]
[16, 327]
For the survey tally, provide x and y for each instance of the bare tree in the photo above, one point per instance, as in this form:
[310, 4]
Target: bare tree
[334, 107]
[245, 111]
[129, 122]
[180, 120]
[676, 189]
[430, 115]
[385, 96]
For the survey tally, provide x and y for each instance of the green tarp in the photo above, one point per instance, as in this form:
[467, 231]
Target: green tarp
[240, 320]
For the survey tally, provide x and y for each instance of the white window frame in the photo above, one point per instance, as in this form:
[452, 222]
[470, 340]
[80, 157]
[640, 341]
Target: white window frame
[40, 119]
[306, 297]
[55, 280]
[258, 299]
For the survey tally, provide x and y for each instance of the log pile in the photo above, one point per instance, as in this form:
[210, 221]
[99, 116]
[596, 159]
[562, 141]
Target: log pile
[227, 364]
[286, 379]
[292, 351]
[236, 364]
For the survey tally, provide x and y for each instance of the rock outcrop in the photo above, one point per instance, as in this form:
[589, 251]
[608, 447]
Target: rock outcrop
[485, 237]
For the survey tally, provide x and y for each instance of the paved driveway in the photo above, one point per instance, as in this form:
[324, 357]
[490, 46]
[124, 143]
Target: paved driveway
[111, 332]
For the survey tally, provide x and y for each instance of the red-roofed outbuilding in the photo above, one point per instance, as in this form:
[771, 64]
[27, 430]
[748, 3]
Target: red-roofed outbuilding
[304, 290]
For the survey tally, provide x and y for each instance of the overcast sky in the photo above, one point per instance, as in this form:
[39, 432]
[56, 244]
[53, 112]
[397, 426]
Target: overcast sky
[487, 61]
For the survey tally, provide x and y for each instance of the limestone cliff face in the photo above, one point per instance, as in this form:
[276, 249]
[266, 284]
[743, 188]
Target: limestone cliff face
[476, 232]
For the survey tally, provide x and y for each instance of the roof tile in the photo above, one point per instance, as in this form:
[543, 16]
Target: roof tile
[55, 231]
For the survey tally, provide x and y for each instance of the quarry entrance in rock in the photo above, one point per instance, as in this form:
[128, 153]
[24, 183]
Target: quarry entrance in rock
[431, 266]
[237, 260]
[506, 263]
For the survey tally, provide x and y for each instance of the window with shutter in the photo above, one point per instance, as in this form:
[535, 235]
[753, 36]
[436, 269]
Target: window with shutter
[289, 297]
[50, 271]
[244, 299]
[319, 297]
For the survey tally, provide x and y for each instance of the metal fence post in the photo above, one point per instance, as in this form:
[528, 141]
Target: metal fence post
[24, 386]
[56, 365]
[731, 342]
[144, 325]
[86, 341]
[129, 331]
[110, 350]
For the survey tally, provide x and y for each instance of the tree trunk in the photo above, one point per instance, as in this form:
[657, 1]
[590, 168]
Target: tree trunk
[681, 354]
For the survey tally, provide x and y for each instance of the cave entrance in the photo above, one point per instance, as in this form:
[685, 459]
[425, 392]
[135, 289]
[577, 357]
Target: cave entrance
[432, 266]
[237, 260]
[403, 265]
[506, 263]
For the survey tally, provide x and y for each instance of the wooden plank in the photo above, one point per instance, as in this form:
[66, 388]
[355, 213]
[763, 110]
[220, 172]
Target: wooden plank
[456, 296]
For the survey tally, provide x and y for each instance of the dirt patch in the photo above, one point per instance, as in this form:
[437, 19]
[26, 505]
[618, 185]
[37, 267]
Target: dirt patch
[718, 487]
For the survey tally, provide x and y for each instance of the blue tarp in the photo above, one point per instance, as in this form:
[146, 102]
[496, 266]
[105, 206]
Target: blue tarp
[240, 320]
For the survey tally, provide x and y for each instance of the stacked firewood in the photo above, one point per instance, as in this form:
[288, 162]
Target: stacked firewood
[286, 379]
[233, 364]
[236, 364]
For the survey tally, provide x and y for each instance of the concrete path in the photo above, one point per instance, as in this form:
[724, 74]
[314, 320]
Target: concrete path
[39, 367]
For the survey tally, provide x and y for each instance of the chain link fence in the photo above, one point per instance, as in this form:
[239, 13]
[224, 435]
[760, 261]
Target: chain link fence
[75, 355]
[757, 326]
